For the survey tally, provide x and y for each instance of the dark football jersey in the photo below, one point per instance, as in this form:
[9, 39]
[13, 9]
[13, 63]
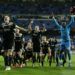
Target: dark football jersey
[8, 30]
[45, 46]
[36, 37]
[36, 40]
[18, 37]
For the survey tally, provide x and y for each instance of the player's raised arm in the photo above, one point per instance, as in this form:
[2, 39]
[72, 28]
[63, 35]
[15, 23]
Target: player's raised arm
[71, 21]
[30, 26]
[54, 20]
[72, 18]
[44, 28]
[21, 28]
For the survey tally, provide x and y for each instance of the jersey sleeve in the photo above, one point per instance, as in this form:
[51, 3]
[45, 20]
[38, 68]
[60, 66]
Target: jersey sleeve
[71, 21]
[56, 23]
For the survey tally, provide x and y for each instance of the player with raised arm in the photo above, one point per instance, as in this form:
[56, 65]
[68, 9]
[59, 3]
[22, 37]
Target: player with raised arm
[8, 28]
[65, 36]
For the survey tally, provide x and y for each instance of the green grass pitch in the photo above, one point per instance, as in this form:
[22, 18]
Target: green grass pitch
[46, 70]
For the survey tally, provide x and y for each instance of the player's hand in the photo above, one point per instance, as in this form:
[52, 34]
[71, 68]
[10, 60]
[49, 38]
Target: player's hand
[31, 21]
[53, 15]
[43, 25]
[44, 28]
[30, 25]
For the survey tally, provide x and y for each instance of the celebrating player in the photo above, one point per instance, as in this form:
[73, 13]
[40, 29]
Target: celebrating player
[8, 40]
[65, 36]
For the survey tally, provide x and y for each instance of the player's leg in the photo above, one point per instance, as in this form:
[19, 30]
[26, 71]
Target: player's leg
[50, 60]
[50, 57]
[38, 57]
[53, 54]
[62, 51]
[64, 57]
[68, 52]
[57, 59]
[57, 54]
[14, 58]
[10, 57]
[42, 57]
[20, 58]
[8, 53]
[33, 58]
[69, 56]
[6, 59]
[24, 59]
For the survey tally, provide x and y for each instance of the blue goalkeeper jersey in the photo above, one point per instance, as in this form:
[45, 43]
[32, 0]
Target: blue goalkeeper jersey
[65, 32]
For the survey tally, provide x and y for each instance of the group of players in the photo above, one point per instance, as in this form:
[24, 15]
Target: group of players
[17, 51]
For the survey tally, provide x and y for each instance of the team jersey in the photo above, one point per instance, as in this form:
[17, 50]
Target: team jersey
[18, 37]
[8, 30]
[18, 41]
[45, 46]
[36, 37]
[36, 40]
[52, 44]
[8, 35]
